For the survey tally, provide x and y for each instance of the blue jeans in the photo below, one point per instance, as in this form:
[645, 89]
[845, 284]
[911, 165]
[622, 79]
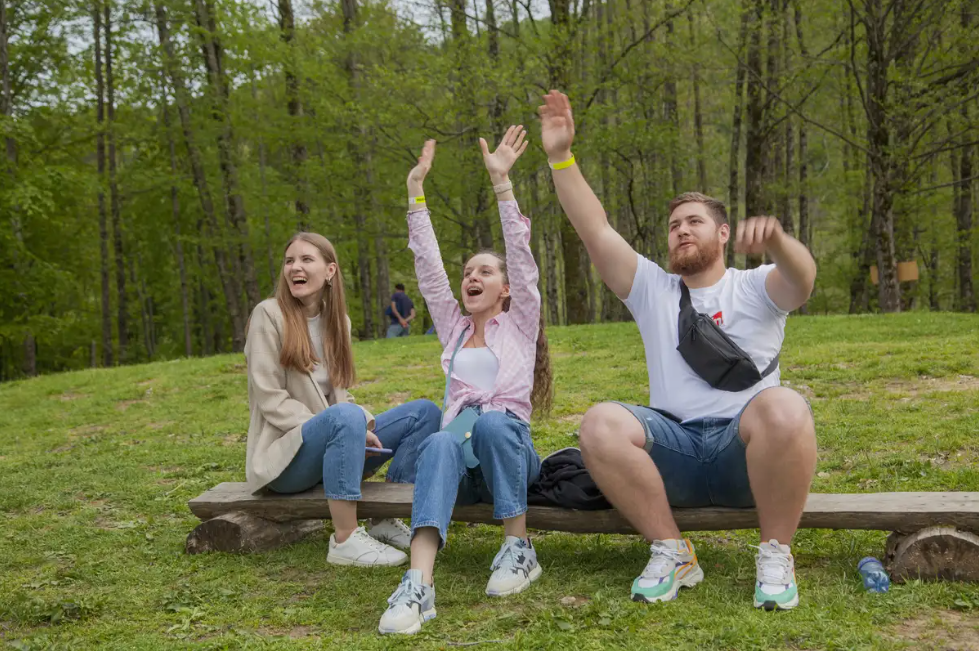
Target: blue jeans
[398, 330]
[508, 464]
[334, 443]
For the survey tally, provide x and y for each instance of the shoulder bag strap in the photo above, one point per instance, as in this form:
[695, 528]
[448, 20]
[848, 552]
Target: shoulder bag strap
[452, 360]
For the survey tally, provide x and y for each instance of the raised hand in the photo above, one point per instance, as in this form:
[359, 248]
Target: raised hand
[756, 234]
[557, 126]
[498, 163]
[417, 174]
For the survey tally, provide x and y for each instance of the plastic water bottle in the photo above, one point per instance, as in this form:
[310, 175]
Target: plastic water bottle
[875, 579]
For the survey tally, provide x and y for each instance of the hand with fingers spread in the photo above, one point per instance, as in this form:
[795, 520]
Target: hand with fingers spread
[416, 177]
[498, 163]
[756, 234]
[557, 126]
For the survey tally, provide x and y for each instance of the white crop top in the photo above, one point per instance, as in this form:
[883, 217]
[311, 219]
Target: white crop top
[477, 367]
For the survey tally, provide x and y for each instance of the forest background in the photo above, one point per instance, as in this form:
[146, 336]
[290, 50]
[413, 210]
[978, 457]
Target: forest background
[157, 154]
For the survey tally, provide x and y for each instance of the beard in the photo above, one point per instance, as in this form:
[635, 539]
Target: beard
[688, 263]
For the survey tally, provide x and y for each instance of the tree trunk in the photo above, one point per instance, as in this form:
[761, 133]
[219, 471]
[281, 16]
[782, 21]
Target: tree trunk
[362, 192]
[234, 202]
[203, 302]
[734, 162]
[698, 118]
[881, 164]
[803, 147]
[671, 116]
[175, 213]
[966, 300]
[30, 356]
[287, 25]
[122, 323]
[212, 232]
[754, 164]
[265, 194]
[107, 347]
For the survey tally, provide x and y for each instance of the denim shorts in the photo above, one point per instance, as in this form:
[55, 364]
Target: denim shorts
[702, 461]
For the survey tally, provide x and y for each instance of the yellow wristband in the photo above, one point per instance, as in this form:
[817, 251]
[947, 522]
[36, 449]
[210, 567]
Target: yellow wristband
[415, 200]
[563, 164]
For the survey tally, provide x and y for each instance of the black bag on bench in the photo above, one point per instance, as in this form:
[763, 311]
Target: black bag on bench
[711, 353]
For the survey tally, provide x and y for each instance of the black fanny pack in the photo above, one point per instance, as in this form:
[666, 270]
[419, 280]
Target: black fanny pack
[711, 353]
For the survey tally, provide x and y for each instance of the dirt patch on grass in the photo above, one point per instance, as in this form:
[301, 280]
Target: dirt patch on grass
[123, 405]
[950, 630]
[296, 632]
[399, 398]
[159, 425]
[913, 388]
[234, 439]
[574, 419]
[68, 396]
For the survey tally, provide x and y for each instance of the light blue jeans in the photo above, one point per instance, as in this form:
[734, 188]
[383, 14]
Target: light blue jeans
[508, 464]
[334, 442]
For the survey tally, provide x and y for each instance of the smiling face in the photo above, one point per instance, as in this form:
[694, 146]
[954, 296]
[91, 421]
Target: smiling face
[306, 272]
[696, 240]
[484, 286]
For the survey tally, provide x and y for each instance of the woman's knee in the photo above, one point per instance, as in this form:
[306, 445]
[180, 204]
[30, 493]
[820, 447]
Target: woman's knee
[494, 428]
[343, 420]
[439, 443]
[429, 412]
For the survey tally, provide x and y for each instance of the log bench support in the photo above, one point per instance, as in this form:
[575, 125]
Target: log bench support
[935, 533]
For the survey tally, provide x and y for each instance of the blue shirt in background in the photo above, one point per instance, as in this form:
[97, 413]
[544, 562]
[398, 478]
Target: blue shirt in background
[404, 305]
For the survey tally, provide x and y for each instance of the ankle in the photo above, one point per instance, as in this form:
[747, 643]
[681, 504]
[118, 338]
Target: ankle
[342, 535]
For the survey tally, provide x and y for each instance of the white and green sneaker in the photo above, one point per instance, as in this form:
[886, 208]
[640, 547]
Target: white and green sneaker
[672, 565]
[775, 586]
[411, 605]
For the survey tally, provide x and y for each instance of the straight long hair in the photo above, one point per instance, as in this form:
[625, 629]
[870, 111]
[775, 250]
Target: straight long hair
[542, 393]
[297, 347]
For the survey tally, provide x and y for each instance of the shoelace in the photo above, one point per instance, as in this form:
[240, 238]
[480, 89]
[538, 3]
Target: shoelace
[402, 595]
[364, 538]
[663, 559]
[399, 525]
[507, 550]
[773, 564]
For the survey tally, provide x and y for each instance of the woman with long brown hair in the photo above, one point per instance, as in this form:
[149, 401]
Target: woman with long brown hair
[305, 428]
[497, 373]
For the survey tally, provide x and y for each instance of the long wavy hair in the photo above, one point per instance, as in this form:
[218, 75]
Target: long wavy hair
[297, 347]
[542, 393]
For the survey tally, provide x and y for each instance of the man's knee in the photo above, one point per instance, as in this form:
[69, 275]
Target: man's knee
[607, 426]
[778, 414]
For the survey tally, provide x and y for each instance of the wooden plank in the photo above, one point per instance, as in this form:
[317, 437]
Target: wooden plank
[906, 512]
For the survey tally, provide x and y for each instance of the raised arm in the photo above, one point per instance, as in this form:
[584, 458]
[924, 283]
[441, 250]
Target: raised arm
[790, 284]
[613, 257]
[522, 269]
[433, 282]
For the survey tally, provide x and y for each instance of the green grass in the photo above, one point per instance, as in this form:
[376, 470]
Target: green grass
[96, 468]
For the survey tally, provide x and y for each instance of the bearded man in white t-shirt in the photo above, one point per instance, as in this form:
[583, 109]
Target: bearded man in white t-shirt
[697, 445]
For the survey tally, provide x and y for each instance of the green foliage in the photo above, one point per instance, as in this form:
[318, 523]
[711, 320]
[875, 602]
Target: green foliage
[371, 92]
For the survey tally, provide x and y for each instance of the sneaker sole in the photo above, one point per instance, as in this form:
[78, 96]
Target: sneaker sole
[340, 560]
[533, 576]
[414, 628]
[771, 605]
[688, 581]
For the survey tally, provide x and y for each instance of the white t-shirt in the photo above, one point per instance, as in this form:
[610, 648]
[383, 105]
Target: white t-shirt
[319, 372]
[477, 367]
[738, 302]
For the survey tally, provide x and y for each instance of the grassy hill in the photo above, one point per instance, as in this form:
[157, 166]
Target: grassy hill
[96, 468]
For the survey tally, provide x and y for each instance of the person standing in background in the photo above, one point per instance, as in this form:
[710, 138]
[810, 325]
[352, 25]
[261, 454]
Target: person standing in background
[402, 313]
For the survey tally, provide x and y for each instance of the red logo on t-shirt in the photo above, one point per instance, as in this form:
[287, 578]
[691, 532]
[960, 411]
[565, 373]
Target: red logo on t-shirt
[719, 318]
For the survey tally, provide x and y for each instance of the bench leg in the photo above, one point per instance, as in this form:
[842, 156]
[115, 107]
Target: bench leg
[239, 532]
[933, 553]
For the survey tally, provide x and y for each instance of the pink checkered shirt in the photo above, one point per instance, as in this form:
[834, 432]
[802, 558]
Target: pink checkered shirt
[511, 335]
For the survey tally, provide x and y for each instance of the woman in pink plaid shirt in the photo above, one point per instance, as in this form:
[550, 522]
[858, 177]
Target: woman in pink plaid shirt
[500, 373]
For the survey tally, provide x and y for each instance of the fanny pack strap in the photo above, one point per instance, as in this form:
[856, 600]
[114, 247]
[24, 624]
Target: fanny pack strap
[688, 314]
[452, 360]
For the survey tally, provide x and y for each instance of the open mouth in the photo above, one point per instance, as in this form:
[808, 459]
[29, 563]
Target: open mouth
[299, 280]
[474, 291]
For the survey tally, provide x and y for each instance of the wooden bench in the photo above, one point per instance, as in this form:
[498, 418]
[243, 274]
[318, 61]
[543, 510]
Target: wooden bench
[934, 534]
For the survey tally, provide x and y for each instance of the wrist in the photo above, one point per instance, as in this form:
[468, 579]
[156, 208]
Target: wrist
[499, 179]
[559, 156]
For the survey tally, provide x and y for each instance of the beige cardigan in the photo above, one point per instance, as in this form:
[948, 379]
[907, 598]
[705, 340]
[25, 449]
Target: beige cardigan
[280, 399]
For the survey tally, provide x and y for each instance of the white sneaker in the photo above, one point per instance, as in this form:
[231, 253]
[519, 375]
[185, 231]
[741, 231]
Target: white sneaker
[411, 605]
[514, 568]
[391, 531]
[775, 586]
[672, 565]
[363, 551]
